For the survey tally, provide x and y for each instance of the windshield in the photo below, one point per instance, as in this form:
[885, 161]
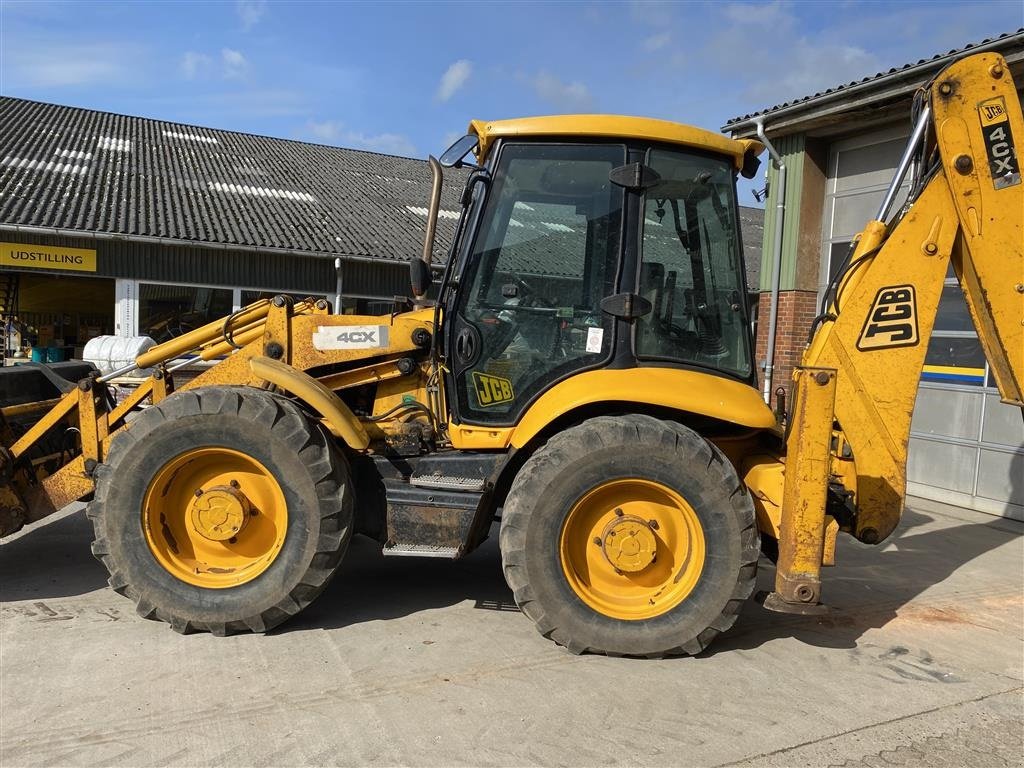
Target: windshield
[691, 270]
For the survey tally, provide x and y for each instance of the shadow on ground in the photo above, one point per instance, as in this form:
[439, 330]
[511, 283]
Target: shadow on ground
[52, 560]
[372, 587]
[869, 585]
[866, 590]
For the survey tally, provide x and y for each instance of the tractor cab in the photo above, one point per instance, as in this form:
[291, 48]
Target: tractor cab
[591, 242]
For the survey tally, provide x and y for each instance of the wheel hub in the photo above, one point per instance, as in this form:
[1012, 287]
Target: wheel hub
[629, 544]
[219, 513]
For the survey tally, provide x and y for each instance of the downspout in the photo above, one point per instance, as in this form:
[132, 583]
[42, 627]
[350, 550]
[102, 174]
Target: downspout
[337, 287]
[780, 215]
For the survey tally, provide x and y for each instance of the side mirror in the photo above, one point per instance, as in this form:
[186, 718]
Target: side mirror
[456, 153]
[419, 276]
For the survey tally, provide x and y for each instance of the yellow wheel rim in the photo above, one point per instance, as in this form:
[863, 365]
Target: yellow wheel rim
[214, 517]
[632, 549]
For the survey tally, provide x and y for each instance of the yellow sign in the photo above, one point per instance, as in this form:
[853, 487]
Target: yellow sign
[47, 257]
[993, 111]
[492, 390]
[892, 321]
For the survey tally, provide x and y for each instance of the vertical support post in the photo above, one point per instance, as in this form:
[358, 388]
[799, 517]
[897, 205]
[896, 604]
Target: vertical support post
[89, 427]
[802, 528]
[338, 285]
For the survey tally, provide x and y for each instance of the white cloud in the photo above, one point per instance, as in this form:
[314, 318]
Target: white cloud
[657, 42]
[795, 65]
[565, 96]
[250, 12]
[453, 79]
[33, 64]
[334, 132]
[328, 130]
[234, 63]
[193, 64]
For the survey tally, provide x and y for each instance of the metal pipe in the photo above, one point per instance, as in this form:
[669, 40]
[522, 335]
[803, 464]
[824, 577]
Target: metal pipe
[905, 162]
[435, 207]
[337, 286]
[119, 372]
[193, 339]
[780, 216]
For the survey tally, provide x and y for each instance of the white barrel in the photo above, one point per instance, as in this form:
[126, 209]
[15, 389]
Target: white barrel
[109, 353]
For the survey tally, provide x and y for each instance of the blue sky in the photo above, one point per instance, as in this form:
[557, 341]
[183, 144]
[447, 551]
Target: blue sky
[405, 78]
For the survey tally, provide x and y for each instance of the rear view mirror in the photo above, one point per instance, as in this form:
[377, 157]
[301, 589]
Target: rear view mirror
[419, 276]
[453, 156]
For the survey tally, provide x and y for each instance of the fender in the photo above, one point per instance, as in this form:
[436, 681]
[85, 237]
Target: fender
[338, 415]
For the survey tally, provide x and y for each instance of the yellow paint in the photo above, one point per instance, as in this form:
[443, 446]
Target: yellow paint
[802, 527]
[609, 127]
[226, 535]
[990, 261]
[681, 390]
[21, 256]
[338, 415]
[765, 477]
[632, 549]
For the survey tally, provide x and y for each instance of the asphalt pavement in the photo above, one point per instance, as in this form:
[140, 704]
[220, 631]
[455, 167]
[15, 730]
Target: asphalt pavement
[406, 661]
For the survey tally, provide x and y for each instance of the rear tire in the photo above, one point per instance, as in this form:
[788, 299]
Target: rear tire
[183, 564]
[684, 562]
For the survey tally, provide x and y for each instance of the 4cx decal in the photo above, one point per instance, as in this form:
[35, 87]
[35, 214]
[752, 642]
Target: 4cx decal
[350, 337]
[492, 390]
[1003, 163]
[892, 321]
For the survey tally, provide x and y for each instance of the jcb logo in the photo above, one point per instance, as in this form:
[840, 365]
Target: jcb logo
[492, 390]
[892, 321]
[992, 111]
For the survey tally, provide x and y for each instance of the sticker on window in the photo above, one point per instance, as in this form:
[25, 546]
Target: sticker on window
[492, 390]
[595, 336]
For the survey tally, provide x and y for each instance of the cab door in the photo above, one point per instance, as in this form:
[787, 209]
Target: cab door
[528, 310]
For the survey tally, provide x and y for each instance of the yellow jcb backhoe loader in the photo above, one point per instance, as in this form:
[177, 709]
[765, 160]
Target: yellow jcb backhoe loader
[584, 373]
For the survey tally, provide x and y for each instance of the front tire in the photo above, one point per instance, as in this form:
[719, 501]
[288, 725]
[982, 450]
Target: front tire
[629, 536]
[221, 509]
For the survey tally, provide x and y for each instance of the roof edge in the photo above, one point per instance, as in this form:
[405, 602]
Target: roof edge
[739, 125]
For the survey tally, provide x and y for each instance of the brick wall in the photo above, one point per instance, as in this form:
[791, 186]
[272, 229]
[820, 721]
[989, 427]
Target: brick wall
[796, 311]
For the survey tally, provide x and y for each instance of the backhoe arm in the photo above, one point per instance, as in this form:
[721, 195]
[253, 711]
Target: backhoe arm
[859, 376]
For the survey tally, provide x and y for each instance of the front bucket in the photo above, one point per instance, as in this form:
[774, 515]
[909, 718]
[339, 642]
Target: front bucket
[13, 511]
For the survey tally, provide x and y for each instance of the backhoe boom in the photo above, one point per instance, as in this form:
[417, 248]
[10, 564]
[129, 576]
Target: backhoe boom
[875, 336]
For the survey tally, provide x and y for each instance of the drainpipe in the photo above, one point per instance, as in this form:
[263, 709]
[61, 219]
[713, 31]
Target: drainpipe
[780, 215]
[337, 286]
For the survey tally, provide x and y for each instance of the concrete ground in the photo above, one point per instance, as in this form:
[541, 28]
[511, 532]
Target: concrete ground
[424, 662]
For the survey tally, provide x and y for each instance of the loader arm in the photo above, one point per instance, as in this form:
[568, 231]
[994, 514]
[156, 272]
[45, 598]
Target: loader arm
[859, 375]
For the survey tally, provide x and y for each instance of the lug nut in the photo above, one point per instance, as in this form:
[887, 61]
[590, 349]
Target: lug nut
[653, 524]
[199, 492]
[619, 512]
[234, 483]
[597, 541]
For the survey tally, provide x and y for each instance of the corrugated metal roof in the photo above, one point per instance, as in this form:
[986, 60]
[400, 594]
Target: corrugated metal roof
[933, 63]
[79, 169]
